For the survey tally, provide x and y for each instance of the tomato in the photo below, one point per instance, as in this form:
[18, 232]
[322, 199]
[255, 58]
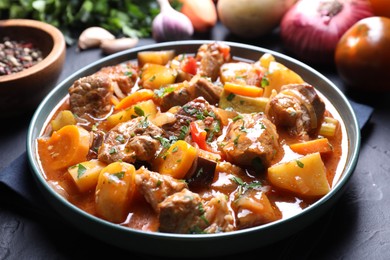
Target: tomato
[362, 55]
[381, 7]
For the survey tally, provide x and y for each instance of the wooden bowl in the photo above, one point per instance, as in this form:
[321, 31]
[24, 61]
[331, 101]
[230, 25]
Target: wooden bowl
[21, 92]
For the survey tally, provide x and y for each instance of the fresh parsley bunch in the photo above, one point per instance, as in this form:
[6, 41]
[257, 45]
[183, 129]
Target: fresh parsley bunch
[132, 18]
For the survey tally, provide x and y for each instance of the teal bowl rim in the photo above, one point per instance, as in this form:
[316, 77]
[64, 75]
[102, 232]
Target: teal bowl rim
[311, 215]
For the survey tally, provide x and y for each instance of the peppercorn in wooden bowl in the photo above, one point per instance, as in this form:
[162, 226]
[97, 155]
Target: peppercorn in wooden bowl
[32, 54]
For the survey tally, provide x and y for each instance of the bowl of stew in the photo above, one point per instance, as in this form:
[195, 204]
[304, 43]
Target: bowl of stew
[193, 144]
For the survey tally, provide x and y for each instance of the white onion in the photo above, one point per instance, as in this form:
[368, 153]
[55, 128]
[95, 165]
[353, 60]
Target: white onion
[311, 29]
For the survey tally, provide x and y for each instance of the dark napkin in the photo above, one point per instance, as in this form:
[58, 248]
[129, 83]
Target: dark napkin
[17, 175]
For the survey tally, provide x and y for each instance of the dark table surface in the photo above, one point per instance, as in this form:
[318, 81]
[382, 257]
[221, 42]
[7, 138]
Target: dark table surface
[357, 227]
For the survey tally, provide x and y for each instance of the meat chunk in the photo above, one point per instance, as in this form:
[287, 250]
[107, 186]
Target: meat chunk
[201, 87]
[196, 109]
[197, 87]
[185, 212]
[181, 212]
[251, 140]
[123, 77]
[91, 96]
[156, 187]
[297, 107]
[211, 57]
[130, 141]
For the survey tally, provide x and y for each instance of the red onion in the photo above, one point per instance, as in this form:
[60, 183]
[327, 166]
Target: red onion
[311, 29]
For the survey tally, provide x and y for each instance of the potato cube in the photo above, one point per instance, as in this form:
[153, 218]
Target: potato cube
[85, 175]
[304, 176]
[146, 108]
[115, 191]
[63, 118]
[155, 76]
[279, 75]
[155, 57]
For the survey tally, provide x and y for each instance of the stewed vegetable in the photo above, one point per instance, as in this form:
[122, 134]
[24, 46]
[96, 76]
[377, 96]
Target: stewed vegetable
[193, 142]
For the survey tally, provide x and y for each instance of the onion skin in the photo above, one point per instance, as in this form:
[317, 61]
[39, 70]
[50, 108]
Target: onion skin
[250, 19]
[312, 36]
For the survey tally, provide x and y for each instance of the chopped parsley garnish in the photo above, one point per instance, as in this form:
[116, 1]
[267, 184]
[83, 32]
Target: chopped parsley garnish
[81, 170]
[116, 176]
[152, 78]
[112, 150]
[163, 141]
[235, 141]
[230, 97]
[129, 74]
[244, 186]
[120, 139]
[144, 123]
[183, 132]
[191, 110]
[264, 82]
[139, 111]
[300, 164]
[237, 118]
[163, 91]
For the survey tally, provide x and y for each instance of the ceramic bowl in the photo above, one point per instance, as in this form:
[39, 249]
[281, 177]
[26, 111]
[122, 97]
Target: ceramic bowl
[22, 92]
[176, 245]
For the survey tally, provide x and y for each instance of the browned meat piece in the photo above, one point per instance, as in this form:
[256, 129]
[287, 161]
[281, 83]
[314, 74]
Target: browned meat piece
[124, 76]
[297, 107]
[196, 109]
[181, 213]
[202, 87]
[197, 87]
[251, 141]
[185, 212]
[130, 141]
[211, 57]
[156, 187]
[178, 97]
[91, 96]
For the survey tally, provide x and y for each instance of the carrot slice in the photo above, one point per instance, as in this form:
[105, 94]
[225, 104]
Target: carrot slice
[67, 146]
[134, 98]
[245, 90]
[177, 160]
[321, 145]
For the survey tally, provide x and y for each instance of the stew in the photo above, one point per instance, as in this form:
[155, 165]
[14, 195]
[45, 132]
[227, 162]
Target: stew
[193, 143]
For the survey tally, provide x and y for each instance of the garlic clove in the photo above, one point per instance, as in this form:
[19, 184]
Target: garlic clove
[93, 36]
[111, 46]
[171, 25]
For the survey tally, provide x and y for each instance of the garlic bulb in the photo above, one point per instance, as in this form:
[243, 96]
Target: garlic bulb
[171, 25]
[93, 36]
[115, 45]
